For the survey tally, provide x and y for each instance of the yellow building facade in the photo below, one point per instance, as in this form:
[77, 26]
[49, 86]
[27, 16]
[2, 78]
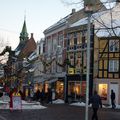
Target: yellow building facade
[107, 76]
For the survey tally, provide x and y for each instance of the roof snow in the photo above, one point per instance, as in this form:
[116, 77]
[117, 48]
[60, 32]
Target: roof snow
[59, 23]
[32, 56]
[107, 23]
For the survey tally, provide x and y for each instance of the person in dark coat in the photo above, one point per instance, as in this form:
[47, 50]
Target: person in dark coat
[95, 100]
[113, 99]
[38, 95]
[42, 96]
[11, 101]
[49, 96]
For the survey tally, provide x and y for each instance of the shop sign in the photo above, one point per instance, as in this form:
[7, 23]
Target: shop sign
[17, 102]
[71, 70]
[77, 71]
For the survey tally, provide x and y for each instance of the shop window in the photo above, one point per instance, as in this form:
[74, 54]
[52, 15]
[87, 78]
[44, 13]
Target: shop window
[102, 90]
[46, 87]
[59, 89]
[35, 87]
[76, 90]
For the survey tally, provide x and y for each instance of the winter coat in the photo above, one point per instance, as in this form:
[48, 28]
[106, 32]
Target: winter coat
[112, 96]
[95, 100]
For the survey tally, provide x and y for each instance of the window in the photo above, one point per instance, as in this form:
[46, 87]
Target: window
[79, 40]
[60, 39]
[78, 60]
[71, 40]
[75, 35]
[113, 66]
[114, 45]
[54, 43]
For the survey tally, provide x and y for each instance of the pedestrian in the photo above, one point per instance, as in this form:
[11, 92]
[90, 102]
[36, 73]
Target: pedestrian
[96, 102]
[37, 95]
[42, 97]
[49, 96]
[113, 99]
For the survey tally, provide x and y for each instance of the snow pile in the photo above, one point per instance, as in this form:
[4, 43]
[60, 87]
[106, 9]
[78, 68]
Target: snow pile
[58, 101]
[4, 98]
[78, 104]
[30, 102]
[25, 105]
[83, 105]
[33, 107]
[117, 106]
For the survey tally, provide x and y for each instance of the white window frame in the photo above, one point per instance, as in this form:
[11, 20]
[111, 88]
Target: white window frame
[113, 65]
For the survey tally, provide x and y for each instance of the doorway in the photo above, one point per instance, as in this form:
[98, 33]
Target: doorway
[115, 88]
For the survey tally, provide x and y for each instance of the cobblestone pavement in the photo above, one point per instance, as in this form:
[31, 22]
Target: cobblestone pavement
[58, 112]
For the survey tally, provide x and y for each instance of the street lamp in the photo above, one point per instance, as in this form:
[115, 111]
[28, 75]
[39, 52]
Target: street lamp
[88, 6]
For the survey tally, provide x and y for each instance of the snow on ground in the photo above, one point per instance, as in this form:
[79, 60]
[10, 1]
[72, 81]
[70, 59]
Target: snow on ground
[4, 104]
[25, 105]
[83, 105]
[58, 101]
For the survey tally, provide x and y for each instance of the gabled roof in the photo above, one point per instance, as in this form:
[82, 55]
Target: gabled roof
[58, 24]
[72, 18]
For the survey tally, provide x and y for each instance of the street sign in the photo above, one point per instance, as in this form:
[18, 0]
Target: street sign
[17, 102]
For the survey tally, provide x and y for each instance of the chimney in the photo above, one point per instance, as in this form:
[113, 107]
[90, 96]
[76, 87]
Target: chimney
[73, 11]
[31, 35]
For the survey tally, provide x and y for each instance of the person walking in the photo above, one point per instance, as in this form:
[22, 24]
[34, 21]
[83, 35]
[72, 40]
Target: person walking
[113, 99]
[49, 96]
[42, 97]
[95, 100]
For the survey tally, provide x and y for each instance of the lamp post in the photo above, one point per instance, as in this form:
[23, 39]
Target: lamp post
[88, 6]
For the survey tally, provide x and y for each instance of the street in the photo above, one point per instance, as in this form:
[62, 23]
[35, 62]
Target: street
[58, 112]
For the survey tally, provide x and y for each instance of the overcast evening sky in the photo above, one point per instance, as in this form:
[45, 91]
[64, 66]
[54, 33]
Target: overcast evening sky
[40, 14]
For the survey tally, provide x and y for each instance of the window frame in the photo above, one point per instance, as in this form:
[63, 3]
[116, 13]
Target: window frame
[113, 65]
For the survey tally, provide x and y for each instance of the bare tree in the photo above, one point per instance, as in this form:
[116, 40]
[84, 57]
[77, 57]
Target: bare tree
[3, 57]
[106, 22]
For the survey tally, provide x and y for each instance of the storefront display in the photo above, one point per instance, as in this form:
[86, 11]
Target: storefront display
[102, 90]
[59, 89]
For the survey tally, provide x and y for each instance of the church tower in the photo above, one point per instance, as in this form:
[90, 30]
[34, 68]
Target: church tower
[24, 34]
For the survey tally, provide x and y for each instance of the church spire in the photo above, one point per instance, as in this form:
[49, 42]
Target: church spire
[24, 34]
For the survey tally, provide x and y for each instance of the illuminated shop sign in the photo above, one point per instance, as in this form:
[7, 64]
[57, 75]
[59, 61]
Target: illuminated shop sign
[71, 70]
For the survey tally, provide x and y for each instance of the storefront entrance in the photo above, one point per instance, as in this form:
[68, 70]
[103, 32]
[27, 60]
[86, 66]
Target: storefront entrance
[76, 90]
[114, 87]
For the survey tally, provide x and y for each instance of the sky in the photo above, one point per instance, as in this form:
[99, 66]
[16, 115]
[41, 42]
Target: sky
[40, 14]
